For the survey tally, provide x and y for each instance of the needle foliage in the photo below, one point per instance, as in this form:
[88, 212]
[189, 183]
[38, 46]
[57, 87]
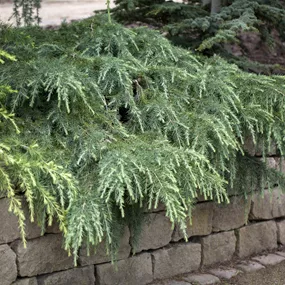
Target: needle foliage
[190, 24]
[109, 121]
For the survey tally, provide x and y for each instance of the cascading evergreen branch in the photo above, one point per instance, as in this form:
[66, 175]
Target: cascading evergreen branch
[129, 120]
[191, 25]
[47, 187]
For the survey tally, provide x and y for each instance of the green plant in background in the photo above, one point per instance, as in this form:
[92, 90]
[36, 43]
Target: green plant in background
[122, 120]
[193, 24]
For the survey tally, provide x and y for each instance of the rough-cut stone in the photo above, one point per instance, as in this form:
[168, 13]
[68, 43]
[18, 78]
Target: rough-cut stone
[176, 283]
[101, 256]
[270, 259]
[76, 276]
[8, 267]
[271, 162]
[202, 216]
[282, 253]
[26, 281]
[171, 282]
[201, 198]
[135, 270]
[256, 238]
[53, 229]
[253, 150]
[275, 163]
[281, 231]
[268, 207]
[249, 266]
[42, 255]
[231, 216]
[178, 259]
[156, 232]
[160, 207]
[224, 273]
[218, 247]
[280, 164]
[9, 228]
[202, 279]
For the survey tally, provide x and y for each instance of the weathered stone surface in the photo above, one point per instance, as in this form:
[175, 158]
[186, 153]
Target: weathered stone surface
[224, 273]
[276, 163]
[253, 150]
[176, 283]
[218, 247]
[201, 198]
[26, 281]
[53, 229]
[281, 231]
[135, 270]
[156, 232]
[249, 146]
[101, 256]
[76, 276]
[9, 228]
[202, 279]
[160, 207]
[282, 253]
[271, 162]
[269, 207]
[270, 259]
[42, 255]
[256, 238]
[8, 267]
[249, 266]
[171, 282]
[178, 259]
[231, 216]
[202, 216]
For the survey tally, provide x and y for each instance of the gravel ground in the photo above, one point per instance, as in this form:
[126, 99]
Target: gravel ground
[53, 13]
[272, 275]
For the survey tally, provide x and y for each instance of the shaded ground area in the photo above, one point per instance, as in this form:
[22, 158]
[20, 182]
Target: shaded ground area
[53, 13]
[272, 275]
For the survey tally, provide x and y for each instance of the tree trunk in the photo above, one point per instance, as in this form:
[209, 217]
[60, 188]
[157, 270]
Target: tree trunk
[216, 6]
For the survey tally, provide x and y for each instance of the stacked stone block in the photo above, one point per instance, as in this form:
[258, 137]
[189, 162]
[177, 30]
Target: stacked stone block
[217, 233]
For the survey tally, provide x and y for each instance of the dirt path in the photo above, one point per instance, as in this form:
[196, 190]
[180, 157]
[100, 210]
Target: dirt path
[54, 13]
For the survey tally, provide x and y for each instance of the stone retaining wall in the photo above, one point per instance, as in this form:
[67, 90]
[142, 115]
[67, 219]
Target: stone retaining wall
[218, 234]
